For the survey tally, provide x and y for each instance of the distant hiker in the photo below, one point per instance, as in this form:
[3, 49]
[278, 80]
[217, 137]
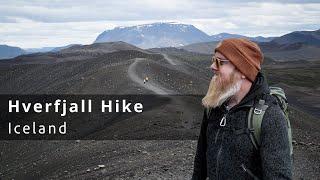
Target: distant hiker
[244, 132]
[145, 79]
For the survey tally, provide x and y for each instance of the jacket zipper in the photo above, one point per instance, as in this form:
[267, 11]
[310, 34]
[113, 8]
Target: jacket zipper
[216, 139]
[217, 166]
[223, 122]
[249, 172]
[218, 155]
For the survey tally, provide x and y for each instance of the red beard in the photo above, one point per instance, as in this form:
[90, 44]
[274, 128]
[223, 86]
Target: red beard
[220, 90]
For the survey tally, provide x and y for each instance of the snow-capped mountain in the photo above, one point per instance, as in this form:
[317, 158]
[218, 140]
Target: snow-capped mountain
[155, 35]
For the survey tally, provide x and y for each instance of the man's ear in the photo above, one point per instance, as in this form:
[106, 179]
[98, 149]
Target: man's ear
[242, 75]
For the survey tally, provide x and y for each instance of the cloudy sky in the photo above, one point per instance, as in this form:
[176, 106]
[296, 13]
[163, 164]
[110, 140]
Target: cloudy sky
[41, 23]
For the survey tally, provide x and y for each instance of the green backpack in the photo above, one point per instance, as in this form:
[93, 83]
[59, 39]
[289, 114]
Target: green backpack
[257, 112]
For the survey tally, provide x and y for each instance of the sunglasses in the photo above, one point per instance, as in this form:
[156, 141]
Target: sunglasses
[219, 62]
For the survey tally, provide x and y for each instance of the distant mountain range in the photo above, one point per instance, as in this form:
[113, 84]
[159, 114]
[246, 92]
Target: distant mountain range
[165, 35]
[7, 52]
[37, 50]
[48, 49]
[79, 52]
[183, 36]
[222, 36]
[10, 51]
[305, 37]
[298, 45]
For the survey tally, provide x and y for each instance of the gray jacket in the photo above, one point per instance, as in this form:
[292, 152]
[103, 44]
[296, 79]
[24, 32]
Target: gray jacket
[224, 153]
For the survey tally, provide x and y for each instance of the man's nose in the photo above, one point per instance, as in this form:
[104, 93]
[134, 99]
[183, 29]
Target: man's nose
[213, 67]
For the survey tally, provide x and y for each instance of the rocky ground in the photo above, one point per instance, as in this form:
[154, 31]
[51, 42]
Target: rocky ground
[131, 159]
[123, 73]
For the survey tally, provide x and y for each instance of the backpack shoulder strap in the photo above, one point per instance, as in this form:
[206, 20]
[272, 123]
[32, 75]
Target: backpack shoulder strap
[255, 118]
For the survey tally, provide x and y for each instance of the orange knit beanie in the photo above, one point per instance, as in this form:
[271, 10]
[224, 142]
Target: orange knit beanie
[244, 54]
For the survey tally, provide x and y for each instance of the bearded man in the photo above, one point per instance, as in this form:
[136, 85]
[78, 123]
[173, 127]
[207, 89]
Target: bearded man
[225, 150]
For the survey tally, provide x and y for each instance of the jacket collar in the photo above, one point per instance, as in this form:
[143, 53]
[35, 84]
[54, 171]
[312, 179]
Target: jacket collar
[258, 89]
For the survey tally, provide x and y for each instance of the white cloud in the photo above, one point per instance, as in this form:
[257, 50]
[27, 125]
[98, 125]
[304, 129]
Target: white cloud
[38, 34]
[40, 23]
